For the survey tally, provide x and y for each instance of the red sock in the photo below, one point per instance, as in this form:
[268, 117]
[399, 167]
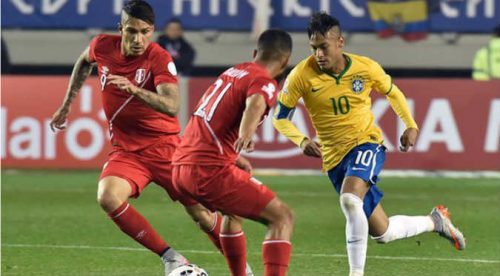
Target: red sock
[235, 250]
[213, 234]
[276, 255]
[135, 225]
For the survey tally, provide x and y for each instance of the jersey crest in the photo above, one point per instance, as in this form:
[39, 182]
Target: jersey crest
[140, 75]
[357, 84]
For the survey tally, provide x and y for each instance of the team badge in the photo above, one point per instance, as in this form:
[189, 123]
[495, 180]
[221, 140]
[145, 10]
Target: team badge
[140, 75]
[357, 84]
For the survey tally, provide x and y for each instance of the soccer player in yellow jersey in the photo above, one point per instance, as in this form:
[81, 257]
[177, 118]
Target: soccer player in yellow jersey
[335, 87]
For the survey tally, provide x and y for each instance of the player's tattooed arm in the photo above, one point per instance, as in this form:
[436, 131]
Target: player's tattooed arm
[255, 108]
[169, 102]
[166, 100]
[81, 71]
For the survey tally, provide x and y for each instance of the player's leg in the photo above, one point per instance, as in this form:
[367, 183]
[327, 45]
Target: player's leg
[354, 179]
[277, 248]
[233, 242]
[188, 182]
[234, 191]
[384, 230]
[226, 234]
[125, 176]
[351, 202]
[158, 162]
[113, 193]
[208, 221]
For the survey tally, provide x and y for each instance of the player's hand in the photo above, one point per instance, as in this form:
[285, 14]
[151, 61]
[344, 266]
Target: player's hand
[244, 164]
[123, 83]
[408, 139]
[59, 118]
[311, 148]
[244, 143]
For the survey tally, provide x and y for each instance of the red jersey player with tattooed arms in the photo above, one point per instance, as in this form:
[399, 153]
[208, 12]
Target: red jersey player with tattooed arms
[223, 124]
[140, 99]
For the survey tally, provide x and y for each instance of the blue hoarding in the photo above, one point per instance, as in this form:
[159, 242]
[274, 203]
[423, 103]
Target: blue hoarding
[292, 15]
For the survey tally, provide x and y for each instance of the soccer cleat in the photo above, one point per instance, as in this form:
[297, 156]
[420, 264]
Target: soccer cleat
[248, 270]
[172, 260]
[441, 218]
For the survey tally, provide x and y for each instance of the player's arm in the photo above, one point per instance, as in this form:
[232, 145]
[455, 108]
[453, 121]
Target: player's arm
[287, 100]
[255, 108]
[166, 100]
[398, 103]
[282, 122]
[397, 100]
[81, 71]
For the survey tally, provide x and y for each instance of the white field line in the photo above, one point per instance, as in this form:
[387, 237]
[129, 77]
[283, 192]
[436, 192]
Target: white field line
[313, 255]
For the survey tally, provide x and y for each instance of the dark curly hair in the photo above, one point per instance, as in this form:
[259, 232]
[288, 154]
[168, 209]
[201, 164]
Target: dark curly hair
[321, 23]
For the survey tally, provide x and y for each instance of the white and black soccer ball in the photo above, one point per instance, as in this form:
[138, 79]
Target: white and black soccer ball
[188, 270]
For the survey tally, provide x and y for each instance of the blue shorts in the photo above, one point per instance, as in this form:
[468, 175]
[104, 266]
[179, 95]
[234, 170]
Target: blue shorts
[364, 161]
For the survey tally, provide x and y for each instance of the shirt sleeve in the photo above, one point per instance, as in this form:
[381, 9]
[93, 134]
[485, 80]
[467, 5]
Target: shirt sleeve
[397, 100]
[287, 100]
[266, 87]
[382, 82]
[163, 68]
[292, 90]
[93, 47]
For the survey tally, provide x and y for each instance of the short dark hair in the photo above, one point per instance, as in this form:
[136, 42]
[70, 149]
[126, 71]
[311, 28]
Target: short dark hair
[140, 9]
[321, 23]
[273, 44]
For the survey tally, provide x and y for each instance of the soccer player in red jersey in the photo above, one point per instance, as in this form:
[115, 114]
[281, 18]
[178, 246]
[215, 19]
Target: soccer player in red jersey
[223, 124]
[140, 99]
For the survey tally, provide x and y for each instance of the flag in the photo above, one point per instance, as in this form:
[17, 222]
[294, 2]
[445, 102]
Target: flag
[408, 18]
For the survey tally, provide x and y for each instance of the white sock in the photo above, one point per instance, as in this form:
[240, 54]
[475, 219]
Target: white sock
[401, 227]
[356, 231]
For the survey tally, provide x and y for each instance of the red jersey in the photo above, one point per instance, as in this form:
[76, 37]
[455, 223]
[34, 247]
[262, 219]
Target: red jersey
[133, 124]
[213, 129]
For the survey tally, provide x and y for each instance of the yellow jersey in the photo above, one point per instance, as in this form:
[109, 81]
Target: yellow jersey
[339, 105]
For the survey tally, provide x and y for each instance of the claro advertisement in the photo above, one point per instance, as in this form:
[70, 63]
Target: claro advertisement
[459, 123]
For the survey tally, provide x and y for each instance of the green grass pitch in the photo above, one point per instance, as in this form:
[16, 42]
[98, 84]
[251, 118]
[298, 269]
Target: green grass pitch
[52, 225]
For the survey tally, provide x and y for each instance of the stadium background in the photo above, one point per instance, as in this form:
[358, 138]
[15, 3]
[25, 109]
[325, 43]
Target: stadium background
[459, 123]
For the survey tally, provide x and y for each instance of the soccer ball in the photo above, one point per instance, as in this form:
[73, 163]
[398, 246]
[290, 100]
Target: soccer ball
[188, 270]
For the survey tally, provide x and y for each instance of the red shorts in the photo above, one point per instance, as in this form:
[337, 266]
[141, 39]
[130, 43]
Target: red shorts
[228, 189]
[152, 164]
